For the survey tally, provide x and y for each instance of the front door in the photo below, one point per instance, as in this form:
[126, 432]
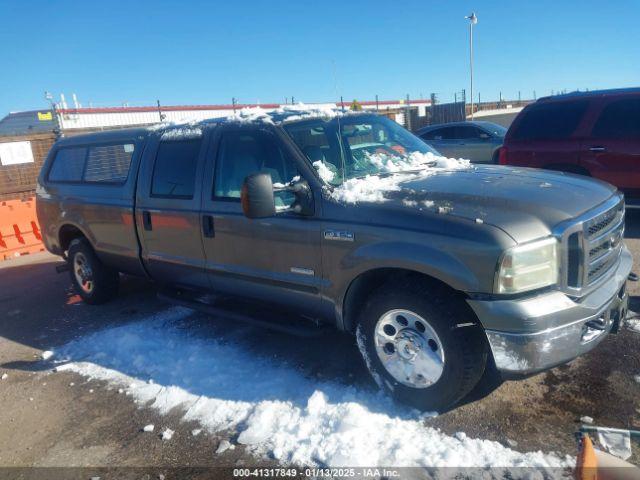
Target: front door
[612, 151]
[276, 260]
[168, 211]
[473, 144]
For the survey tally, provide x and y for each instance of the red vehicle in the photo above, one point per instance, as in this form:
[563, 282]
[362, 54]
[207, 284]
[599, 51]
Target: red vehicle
[590, 133]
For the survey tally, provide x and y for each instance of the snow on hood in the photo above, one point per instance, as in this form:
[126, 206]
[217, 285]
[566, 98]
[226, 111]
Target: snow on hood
[278, 412]
[372, 188]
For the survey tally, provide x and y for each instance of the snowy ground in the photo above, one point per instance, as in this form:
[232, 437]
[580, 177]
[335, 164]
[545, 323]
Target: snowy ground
[164, 363]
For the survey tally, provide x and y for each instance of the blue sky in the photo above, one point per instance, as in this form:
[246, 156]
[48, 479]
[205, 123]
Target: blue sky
[188, 52]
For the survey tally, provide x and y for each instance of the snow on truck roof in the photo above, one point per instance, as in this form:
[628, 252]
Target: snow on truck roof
[283, 114]
[193, 129]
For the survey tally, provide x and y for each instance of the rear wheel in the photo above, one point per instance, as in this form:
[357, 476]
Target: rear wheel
[421, 345]
[93, 281]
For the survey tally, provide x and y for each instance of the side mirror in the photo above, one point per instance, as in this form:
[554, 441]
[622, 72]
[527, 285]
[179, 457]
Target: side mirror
[257, 196]
[485, 136]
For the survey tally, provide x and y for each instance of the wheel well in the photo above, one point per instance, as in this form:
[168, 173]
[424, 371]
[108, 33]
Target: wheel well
[366, 283]
[569, 168]
[67, 234]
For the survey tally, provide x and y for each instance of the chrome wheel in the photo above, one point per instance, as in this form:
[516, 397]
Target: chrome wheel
[409, 348]
[83, 273]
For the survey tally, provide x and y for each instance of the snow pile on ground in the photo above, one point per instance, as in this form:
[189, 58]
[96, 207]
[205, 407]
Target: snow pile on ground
[372, 188]
[276, 410]
[633, 324]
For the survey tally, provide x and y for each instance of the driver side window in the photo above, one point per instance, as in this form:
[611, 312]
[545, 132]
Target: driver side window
[244, 152]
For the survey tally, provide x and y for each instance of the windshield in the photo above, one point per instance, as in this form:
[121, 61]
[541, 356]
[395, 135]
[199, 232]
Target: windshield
[356, 146]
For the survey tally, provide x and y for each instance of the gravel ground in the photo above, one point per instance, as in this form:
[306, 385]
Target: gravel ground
[61, 419]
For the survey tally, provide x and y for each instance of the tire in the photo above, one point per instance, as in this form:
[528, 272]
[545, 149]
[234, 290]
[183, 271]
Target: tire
[452, 357]
[93, 281]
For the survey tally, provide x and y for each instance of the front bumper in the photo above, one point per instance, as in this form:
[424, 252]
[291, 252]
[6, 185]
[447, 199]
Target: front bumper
[534, 334]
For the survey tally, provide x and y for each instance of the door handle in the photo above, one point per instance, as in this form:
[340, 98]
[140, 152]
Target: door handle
[146, 220]
[597, 149]
[207, 226]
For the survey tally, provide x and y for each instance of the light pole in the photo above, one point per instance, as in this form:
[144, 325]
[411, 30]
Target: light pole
[472, 21]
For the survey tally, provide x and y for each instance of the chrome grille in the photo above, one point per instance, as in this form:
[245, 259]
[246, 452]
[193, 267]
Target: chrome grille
[603, 239]
[602, 222]
[593, 246]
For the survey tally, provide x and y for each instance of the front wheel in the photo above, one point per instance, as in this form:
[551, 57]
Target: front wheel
[421, 345]
[94, 281]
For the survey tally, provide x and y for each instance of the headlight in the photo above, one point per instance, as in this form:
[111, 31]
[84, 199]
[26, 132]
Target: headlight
[529, 266]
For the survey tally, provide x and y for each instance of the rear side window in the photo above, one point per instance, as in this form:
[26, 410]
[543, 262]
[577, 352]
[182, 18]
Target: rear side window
[109, 163]
[174, 172]
[100, 163]
[619, 120]
[550, 121]
[68, 165]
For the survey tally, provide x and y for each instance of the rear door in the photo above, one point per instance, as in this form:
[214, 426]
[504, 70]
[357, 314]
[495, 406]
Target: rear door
[275, 260]
[168, 209]
[612, 150]
[96, 184]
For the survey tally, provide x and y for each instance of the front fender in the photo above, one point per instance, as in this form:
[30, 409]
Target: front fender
[397, 255]
[411, 256]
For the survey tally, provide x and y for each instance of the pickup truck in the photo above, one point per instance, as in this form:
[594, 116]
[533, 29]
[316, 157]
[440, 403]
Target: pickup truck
[301, 219]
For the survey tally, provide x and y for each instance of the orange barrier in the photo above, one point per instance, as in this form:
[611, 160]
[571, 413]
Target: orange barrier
[19, 230]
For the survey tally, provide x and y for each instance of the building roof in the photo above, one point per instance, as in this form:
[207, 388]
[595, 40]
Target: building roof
[24, 123]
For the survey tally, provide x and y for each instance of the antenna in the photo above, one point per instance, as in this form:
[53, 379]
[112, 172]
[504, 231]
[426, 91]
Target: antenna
[335, 84]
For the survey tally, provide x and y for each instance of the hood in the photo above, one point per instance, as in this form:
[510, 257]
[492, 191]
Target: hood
[525, 203]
